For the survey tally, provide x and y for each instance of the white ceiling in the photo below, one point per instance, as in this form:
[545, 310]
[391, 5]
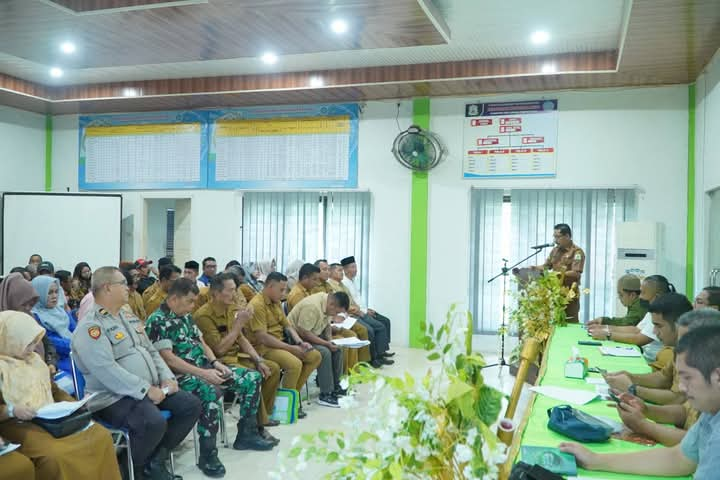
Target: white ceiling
[480, 29]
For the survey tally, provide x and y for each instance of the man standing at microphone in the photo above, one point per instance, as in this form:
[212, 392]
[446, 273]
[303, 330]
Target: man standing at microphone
[569, 259]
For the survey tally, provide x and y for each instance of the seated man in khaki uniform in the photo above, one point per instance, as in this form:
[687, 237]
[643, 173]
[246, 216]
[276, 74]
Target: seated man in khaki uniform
[308, 278]
[240, 301]
[221, 324]
[168, 274]
[311, 318]
[266, 331]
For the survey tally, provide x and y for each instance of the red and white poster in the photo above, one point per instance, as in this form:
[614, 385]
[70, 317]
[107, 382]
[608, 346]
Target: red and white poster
[510, 139]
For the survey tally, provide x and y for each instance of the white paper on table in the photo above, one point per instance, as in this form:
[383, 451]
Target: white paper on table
[576, 397]
[620, 351]
[596, 381]
[61, 409]
[347, 324]
[350, 342]
[9, 447]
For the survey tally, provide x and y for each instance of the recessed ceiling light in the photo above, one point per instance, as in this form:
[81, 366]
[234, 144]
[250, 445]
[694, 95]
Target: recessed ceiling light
[269, 58]
[56, 72]
[67, 47]
[339, 26]
[130, 92]
[316, 82]
[549, 68]
[540, 37]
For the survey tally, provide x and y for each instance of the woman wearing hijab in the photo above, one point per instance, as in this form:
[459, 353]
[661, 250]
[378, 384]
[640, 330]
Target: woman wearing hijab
[25, 387]
[81, 280]
[250, 287]
[266, 267]
[18, 294]
[292, 272]
[50, 313]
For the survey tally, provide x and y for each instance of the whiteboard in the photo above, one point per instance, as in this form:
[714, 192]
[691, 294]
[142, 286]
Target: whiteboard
[64, 228]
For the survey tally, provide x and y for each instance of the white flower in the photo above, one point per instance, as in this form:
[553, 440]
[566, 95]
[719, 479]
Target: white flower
[344, 383]
[463, 453]
[471, 436]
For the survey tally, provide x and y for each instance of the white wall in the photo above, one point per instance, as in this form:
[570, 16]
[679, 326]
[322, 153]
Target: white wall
[607, 138]
[707, 170]
[22, 150]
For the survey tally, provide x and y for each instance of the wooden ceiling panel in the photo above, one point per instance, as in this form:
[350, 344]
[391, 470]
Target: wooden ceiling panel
[94, 6]
[220, 29]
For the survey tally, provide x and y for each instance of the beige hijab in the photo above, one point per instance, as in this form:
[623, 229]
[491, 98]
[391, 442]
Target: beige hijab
[23, 380]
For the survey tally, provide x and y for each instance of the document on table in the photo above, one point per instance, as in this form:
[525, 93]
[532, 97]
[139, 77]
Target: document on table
[620, 351]
[61, 409]
[576, 397]
[9, 447]
[350, 342]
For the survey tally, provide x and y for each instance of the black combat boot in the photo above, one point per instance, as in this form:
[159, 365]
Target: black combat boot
[208, 462]
[248, 437]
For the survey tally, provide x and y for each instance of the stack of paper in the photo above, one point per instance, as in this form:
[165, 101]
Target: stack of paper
[576, 397]
[347, 324]
[61, 409]
[620, 351]
[350, 342]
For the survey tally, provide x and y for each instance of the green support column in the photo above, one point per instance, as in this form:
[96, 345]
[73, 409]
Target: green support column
[419, 235]
[48, 152]
[690, 251]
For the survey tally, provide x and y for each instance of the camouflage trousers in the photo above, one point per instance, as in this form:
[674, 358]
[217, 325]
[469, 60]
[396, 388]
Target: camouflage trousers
[245, 384]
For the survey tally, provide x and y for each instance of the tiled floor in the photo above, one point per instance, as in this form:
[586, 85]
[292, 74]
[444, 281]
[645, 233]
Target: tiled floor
[256, 464]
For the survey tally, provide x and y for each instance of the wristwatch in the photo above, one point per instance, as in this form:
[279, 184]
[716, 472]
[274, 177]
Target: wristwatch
[212, 363]
[632, 389]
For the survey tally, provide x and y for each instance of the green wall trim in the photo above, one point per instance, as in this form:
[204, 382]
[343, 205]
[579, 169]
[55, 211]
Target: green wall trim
[48, 152]
[690, 251]
[419, 235]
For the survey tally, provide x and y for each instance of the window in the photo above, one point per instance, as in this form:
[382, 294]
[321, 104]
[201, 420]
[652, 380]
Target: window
[505, 224]
[290, 226]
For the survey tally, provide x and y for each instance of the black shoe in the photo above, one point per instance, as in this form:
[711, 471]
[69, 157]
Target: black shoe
[271, 423]
[267, 436]
[340, 392]
[208, 461]
[387, 361]
[328, 400]
[248, 437]
[156, 468]
[301, 413]
[388, 354]
[377, 363]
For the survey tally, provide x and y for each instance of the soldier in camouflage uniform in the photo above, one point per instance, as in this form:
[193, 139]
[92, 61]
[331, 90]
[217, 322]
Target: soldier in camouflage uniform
[180, 343]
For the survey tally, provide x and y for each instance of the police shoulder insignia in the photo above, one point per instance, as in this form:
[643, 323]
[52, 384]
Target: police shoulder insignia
[578, 256]
[94, 332]
[103, 311]
[119, 336]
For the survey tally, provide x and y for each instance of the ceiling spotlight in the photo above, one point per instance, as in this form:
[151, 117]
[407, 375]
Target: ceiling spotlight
[269, 58]
[67, 47]
[316, 82]
[130, 92]
[339, 26]
[56, 72]
[540, 37]
[549, 68]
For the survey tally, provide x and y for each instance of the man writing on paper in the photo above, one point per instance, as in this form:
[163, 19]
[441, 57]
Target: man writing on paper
[569, 259]
[310, 318]
[698, 365]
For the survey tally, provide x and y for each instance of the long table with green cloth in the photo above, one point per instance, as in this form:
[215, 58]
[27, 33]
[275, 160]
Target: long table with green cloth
[534, 426]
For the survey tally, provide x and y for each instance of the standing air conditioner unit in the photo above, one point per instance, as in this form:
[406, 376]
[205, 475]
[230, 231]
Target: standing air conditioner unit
[638, 251]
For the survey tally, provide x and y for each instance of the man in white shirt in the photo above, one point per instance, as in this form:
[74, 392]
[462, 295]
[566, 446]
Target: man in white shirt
[371, 318]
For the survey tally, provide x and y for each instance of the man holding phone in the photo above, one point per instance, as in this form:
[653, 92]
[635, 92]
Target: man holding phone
[181, 345]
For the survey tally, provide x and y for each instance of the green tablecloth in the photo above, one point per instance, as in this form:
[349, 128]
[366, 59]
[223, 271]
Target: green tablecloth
[560, 348]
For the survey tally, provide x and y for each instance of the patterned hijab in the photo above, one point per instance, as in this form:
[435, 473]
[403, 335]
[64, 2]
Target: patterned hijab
[24, 378]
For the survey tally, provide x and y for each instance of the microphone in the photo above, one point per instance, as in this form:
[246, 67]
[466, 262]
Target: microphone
[544, 245]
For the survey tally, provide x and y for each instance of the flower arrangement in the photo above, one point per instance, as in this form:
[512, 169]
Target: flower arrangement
[541, 306]
[437, 427]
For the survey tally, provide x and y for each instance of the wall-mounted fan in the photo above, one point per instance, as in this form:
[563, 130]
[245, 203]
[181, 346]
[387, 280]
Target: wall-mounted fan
[418, 149]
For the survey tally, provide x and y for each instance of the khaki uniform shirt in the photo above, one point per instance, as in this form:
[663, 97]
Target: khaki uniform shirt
[248, 291]
[149, 292]
[116, 357]
[340, 287]
[267, 317]
[155, 301]
[137, 305]
[215, 322]
[310, 314]
[204, 297]
[324, 287]
[670, 373]
[566, 259]
[297, 293]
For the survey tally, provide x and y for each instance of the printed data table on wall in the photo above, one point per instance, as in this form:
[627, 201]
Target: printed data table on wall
[143, 151]
[303, 146]
[510, 139]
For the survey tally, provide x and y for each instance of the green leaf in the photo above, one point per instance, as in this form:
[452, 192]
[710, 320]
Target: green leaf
[457, 389]
[332, 457]
[488, 404]
[295, 452]
[395, 471]
[433, 356]
[340, 442]
[447, 348]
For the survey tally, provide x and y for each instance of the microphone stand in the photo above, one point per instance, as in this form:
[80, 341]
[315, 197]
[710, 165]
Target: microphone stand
[503, 328]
